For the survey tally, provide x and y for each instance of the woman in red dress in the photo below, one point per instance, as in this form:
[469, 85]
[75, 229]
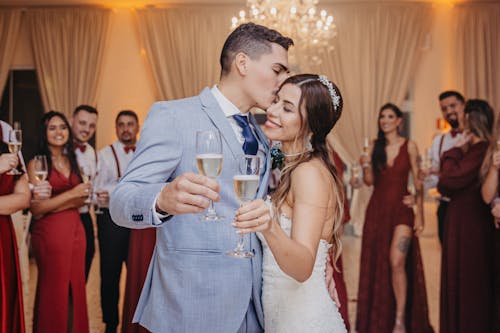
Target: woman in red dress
[57, 235]
[391, 294]
[467, 299]
[490, 191]
[140, 250]
[14, 196]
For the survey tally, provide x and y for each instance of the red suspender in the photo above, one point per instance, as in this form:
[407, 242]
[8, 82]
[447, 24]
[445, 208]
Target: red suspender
[116, 161]
[441, 145]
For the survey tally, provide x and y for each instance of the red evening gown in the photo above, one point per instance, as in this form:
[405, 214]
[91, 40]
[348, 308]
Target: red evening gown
[58, 241]
[467, 292]
[376, 303]
[140, 250]
[11, 294]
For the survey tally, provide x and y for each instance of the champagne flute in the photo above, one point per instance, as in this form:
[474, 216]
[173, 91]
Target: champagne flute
[425, 163]
[86, 173]
[96, 189]
[40, 168]
[209, 162]
[366, 150]
[15, 143]
[245, 186]
[355, 180]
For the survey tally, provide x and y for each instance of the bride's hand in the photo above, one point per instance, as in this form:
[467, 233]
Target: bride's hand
[253, 216]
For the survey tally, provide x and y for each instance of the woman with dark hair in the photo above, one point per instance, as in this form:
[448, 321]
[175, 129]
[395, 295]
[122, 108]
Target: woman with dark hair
[14, 196]
[391, 294]
[57, 235]
[467, 298]
[307, 210]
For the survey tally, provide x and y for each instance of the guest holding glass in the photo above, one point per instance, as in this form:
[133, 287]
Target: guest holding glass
[57, 234]
[392, 294]
[467, 262]
[14, 196]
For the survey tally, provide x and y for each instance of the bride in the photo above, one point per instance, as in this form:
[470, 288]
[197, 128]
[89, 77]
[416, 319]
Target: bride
[306, 210]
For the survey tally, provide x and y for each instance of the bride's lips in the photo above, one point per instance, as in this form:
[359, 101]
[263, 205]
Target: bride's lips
[271, 124]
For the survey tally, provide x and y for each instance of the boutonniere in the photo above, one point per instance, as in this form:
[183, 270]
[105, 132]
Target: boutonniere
[277, 157]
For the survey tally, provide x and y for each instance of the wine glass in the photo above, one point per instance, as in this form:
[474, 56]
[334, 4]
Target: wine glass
[15, 143]
[245, 186]
[366, 150]
[209, 162]
[96, 189]
[355, 181]
[425, 163]
[86, 173]
[40, 167]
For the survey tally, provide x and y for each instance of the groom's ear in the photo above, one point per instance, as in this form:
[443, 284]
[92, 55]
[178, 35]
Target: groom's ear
[241, 63]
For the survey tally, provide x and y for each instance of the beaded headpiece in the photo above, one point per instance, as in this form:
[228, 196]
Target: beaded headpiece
[333, 93]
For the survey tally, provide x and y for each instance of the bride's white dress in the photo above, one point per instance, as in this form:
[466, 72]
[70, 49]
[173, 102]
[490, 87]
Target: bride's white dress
[291, 306]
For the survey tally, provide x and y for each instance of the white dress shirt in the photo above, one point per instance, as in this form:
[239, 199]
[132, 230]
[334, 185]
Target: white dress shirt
[440, 144]
[87, 161]
[230, 110]
[109, 172]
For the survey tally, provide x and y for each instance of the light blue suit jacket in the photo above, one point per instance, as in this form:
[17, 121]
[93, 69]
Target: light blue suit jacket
[191, 285]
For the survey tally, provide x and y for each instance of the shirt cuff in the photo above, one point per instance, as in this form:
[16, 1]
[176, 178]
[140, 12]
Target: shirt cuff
[159, 218]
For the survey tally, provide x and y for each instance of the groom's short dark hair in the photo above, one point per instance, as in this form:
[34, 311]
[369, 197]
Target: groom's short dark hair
[251, 39]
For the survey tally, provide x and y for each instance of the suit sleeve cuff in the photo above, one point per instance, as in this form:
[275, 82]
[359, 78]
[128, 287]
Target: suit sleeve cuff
[159, 218]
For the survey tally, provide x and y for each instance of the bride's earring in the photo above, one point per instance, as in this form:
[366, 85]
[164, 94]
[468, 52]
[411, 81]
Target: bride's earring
[309, 146]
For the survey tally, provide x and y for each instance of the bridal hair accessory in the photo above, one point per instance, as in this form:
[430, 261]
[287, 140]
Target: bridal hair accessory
[333, 94]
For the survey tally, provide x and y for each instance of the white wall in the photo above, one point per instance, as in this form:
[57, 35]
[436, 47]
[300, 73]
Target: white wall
[126, 82]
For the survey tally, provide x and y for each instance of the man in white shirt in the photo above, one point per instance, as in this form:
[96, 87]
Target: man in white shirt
[113, 239]
[452, 105]
[83, 126]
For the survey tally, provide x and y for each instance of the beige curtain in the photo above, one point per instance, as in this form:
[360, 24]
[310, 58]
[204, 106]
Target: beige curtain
[10, 22]
[183, 46]
[376, 52]
[478, 50]
[68, 45]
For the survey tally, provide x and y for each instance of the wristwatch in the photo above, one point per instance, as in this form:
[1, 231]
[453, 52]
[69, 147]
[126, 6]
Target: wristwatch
[162, 215]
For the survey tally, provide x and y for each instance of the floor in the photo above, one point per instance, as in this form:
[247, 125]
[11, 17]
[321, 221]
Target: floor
[429, 243]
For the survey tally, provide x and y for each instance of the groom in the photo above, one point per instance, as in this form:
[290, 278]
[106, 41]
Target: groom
[192, 286]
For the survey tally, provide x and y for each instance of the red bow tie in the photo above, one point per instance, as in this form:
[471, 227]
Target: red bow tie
[82, 147]
[129, 148]
[454, 132]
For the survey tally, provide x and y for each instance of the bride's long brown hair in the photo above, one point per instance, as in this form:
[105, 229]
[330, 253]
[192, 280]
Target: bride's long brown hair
[318, 115]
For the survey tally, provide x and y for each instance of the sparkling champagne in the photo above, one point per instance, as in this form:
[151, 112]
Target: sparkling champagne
[86, 178]
[245, 186]
[209, 165]
[40, 175]
[14, 147]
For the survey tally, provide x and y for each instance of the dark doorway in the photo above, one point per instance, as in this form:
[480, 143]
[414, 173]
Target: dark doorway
[21, 102]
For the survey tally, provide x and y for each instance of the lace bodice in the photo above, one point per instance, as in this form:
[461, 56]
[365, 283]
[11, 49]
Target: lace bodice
[291, 306]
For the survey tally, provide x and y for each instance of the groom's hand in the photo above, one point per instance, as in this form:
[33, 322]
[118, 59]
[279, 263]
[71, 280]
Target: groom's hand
[190, 193]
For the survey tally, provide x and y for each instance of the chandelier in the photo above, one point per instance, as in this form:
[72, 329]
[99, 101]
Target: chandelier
[311, 31]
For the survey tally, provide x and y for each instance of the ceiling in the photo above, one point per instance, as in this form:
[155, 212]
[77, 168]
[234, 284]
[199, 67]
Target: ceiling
[140, 3]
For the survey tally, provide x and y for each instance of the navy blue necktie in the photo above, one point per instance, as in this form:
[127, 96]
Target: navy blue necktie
[251, 145]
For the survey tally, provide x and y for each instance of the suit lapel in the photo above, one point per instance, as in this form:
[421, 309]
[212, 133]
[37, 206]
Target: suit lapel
[212, 109]
[264, 174]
